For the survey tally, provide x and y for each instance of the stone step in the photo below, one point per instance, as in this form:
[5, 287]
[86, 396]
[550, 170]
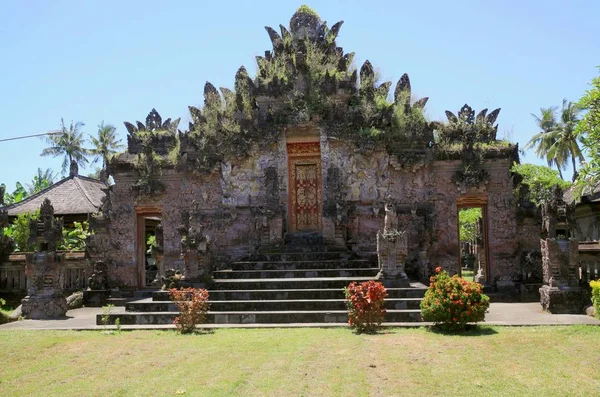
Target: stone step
[144, 293]
[258, 317]
[300, 256]
[287, 283]
[301, 264]
[416, 291]
[148, 305]
[117, 302]
[267, 274]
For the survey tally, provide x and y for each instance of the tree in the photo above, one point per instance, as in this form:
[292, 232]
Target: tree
[106, 144]
[68, 143]
[558, 140]
[17, 195]
[537, 182]
[41, 181]
[566, 137]
[589, 130]
[544, 140]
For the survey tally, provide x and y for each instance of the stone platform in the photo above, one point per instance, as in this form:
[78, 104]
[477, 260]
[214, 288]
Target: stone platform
[281, 288]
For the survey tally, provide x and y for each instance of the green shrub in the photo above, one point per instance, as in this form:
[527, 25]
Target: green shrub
[596, 296]
[366, 305]
[452, 302]
[19, 231]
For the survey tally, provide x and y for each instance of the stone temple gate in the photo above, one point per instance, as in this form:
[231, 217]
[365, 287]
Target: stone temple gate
[309, 154]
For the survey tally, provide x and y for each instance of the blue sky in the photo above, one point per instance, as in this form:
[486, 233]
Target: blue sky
[111, 60]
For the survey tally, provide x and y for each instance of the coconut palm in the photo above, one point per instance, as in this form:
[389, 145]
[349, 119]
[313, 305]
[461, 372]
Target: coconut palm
[106, 144]
[566, 145]
[544, 140]
[68, 143]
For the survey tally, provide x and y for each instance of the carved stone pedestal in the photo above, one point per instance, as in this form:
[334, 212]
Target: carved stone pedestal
[45, 297]
[40, 307]
[565, 300]
[391, 253]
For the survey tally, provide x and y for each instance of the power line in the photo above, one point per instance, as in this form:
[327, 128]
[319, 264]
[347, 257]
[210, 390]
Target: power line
[30, 136]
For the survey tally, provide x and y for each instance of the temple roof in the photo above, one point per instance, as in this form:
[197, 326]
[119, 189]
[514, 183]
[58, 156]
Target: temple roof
[73, 195]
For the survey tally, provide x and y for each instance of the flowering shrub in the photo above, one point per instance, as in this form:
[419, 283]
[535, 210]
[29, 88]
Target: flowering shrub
[365, 302]
[452, 302]
[193, 306]
[596, 296]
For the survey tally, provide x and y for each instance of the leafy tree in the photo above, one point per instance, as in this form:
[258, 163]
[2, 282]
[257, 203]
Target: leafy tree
[19, 231]
[589, 129]
[565, 137]
[17, 195]
[106, 144]
[468, 221]
[68, 143]
[538, 182]
[557, 141]
[41, 181]
[544, 140]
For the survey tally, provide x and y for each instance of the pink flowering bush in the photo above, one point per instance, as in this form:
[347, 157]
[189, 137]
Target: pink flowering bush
[452, 302]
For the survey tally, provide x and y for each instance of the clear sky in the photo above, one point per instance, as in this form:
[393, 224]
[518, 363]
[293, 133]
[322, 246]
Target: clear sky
[113, 60]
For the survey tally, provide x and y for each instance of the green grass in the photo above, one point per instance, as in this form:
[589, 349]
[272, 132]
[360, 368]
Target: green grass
[467, 274]
[552, 361]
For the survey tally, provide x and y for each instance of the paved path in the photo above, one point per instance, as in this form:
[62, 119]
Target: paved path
[508, 314]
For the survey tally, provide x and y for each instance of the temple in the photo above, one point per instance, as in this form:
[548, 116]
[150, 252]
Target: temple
[309, 153]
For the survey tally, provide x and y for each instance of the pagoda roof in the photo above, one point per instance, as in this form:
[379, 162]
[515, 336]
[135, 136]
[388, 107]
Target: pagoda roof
[70, 196]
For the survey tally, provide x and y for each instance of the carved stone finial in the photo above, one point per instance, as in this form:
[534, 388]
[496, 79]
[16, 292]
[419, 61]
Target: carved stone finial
[74, 170]
[47, 230]
[305, 23]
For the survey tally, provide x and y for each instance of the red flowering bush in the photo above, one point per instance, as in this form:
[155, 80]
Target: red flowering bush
[193, 306]
[365, 302]
[452, 302]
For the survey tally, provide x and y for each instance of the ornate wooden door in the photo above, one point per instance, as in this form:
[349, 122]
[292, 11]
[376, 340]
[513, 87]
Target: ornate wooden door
[305, 190]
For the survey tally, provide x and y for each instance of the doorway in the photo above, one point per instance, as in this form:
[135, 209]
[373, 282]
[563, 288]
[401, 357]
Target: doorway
[304, 186]
[473, 241]
[149, 221]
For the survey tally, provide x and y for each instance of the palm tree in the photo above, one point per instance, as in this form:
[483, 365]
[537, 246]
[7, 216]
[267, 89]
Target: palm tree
[106, 144]
[68, 142]
[41, 181]
[544, 140]
[565, 137]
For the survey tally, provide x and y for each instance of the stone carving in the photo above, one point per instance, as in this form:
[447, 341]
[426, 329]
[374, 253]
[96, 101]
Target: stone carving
[392, 249]
[99, 279]
[44, 269]
[47, 231]
[173, 279]
[194, 249]
[561, 292]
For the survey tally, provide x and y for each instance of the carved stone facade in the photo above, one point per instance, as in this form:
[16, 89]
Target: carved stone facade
[309, 147]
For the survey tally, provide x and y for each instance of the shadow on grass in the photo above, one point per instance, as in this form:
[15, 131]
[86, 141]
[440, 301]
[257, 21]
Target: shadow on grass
[470, 330]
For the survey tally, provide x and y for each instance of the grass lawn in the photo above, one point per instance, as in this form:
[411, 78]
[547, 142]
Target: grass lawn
[551, 361]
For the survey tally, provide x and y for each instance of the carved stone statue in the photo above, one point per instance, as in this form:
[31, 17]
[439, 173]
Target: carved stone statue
[392, 250]
[98, 280]
[391, 219]
[173, 279]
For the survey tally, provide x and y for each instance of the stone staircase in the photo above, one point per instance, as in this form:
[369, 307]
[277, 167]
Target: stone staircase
[280, 288]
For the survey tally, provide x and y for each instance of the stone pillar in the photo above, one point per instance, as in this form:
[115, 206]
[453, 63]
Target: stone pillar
[44, 268]
[561, 293]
